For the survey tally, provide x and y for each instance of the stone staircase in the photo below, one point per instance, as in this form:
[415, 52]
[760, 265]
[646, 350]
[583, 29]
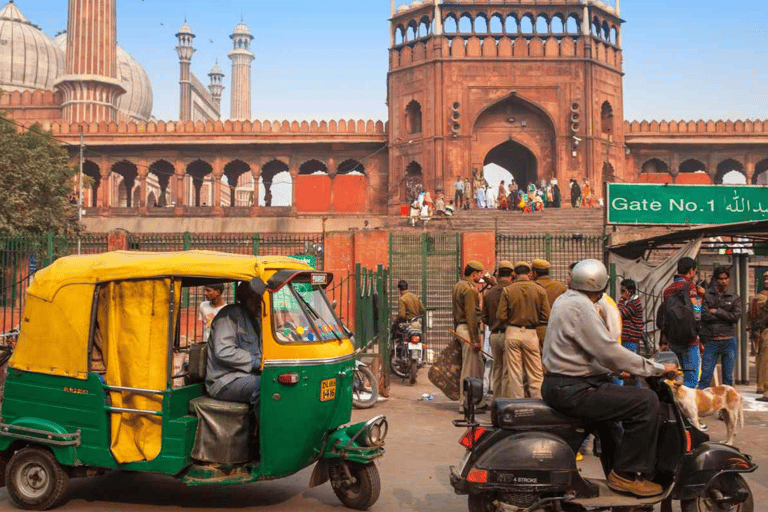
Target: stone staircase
[587, 222]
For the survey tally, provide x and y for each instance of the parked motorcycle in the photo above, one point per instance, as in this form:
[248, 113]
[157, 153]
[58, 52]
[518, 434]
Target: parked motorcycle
[365, 388]
[407, 354]
[525, 460]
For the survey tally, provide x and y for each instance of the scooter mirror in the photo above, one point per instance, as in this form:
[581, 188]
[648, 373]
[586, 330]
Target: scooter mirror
[473, 390]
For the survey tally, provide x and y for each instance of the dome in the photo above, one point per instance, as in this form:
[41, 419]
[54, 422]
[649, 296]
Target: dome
[185, 30]
[29, 59]
[136, 103]
[216, 69]
[242, 30]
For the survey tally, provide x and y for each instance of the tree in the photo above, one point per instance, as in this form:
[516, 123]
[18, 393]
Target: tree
[35, 181]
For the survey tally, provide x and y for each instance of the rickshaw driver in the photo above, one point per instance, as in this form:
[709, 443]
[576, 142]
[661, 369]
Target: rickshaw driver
[234, 349]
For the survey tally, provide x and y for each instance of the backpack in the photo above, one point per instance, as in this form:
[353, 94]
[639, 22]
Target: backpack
[675, 318]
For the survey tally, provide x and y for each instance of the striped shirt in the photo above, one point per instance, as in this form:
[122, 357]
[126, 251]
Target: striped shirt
[632, 319]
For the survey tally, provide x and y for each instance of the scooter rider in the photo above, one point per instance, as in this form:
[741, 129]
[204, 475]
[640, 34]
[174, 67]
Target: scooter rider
[579, 355]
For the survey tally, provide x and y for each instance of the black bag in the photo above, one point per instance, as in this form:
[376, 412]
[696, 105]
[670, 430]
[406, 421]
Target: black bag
[675, 318]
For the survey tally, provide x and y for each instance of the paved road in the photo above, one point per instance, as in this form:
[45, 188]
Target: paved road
[421, 445]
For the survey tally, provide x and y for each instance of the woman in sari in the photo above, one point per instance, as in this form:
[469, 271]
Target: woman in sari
[501, 198]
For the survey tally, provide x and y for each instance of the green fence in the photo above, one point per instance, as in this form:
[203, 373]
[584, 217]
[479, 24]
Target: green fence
[430, 263]
[559, 250]
[22, 255]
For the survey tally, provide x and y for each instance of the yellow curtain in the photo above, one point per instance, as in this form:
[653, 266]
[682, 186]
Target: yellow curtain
[133, 317]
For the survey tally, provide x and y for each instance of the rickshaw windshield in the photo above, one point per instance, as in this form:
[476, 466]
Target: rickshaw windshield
[302, 314]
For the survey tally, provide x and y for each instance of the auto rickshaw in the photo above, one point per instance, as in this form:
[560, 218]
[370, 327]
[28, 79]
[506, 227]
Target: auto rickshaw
[89, 387]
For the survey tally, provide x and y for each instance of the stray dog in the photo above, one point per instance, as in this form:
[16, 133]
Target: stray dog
[724, 401]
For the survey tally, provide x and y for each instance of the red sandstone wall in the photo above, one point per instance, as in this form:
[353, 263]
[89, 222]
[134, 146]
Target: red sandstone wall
[480, 247]
[349, 194]
[312, 193]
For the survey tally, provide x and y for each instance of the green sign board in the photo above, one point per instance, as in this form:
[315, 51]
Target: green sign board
[685, 204]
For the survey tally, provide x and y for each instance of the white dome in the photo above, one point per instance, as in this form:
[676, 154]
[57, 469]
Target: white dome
[136, 103]
[29, 59]
[242, 30]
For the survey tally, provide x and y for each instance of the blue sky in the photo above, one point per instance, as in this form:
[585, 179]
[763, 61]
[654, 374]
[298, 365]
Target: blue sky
[328, 60]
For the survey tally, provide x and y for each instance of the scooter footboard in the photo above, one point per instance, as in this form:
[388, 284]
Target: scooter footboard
[701, 467]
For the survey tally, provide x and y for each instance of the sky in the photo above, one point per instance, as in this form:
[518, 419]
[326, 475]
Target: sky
[328, 60]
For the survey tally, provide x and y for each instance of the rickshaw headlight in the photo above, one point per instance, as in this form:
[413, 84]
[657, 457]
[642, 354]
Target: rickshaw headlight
[375, 431]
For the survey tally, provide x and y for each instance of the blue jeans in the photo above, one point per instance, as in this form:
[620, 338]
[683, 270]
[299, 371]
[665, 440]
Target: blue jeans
[690, 359]
[632, 347]
[712, 350]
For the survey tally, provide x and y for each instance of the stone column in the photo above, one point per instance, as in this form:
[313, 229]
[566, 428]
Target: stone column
[142, 206]
[216, 175]
[255, 166]
[177, 187]
[749, 167]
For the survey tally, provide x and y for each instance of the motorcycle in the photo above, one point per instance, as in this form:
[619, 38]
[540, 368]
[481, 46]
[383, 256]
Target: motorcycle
[365, 388]
[525, 460]
[407, 354]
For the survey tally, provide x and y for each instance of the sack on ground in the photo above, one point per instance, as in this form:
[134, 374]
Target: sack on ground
[445, 373]
[675, 318]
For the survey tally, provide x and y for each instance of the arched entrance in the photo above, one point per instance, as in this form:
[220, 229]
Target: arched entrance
[517, 135]
[516, 159]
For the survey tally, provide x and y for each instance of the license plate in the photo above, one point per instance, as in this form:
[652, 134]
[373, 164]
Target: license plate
[414, 346]
[327, 390]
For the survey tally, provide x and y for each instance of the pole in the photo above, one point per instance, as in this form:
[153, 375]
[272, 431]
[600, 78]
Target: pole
[80, 191]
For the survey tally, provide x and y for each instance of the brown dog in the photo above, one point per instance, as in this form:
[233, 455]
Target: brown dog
[724, 401]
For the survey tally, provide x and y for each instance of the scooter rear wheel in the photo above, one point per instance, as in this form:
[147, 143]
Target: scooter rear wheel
[481, 502]
[726, 484]
[413, 373]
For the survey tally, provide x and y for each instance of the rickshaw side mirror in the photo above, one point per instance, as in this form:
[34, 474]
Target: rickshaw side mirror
[258, 286]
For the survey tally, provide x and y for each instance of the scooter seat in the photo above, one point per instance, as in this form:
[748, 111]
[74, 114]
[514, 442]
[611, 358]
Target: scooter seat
[527, 412]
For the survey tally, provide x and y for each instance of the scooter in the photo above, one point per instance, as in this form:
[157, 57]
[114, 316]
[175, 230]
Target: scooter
[525, 460]
[407, 354]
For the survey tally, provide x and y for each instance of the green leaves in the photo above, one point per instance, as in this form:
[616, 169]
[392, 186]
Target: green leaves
[35, 182]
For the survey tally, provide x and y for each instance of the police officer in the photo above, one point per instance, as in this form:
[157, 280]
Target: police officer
[553, 289]
[466, 321]
[409, 306]
[760, 312]
[523, 307]
[499, 378]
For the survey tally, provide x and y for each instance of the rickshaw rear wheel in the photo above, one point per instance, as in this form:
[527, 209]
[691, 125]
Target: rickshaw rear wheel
[35, 479]
[364, 489]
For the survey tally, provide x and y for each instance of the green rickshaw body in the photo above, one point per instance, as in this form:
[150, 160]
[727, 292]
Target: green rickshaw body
[306, 380]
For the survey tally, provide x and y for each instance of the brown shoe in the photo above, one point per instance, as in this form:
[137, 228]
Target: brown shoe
[638, 487]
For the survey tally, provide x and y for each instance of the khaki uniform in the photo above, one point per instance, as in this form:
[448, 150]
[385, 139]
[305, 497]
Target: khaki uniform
[499, 378]
[553, 289]
[762, 352]
[523, 307]
[408, 307]
[466, 320]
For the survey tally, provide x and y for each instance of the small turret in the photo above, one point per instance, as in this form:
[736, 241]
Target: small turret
[217, 84]
[185, 52]
[241, 57]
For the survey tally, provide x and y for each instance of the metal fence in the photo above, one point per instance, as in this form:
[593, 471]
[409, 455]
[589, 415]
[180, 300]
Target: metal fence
[430, 263]
[22, 255]
[559, 250]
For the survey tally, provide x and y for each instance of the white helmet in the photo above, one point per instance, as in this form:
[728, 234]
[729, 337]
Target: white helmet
[589, 276]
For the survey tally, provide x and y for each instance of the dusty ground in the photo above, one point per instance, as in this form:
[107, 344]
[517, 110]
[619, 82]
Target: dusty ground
[421, 445]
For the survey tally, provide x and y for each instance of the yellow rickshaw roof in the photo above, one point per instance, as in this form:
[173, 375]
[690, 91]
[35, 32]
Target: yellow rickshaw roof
[122, 265]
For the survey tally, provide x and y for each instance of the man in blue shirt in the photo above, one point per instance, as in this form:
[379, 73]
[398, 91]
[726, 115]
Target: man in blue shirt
[234, 350]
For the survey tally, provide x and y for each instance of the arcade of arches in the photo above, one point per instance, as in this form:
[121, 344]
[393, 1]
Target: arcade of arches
[704, 168]
[313, 185]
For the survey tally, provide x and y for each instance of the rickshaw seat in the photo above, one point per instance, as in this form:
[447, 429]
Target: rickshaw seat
[198, 358]
[223, 430]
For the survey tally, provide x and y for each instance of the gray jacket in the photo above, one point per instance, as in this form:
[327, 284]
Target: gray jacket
[722, 323]
[234, 348]
[579, 345]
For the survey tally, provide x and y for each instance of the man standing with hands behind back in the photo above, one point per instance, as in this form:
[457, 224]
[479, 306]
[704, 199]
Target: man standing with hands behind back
[466, 321]
[523, 308]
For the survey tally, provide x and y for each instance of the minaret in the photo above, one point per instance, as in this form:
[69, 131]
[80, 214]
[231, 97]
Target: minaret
[185, 51]
[216, 86]
[90, 87]
[241, 56]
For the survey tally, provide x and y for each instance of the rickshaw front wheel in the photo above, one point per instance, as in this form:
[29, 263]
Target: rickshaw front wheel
[360, 491]
[35, 479]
